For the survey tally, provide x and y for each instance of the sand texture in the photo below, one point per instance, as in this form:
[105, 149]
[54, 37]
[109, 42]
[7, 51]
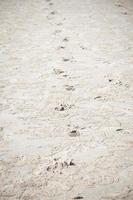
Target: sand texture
[66, 99]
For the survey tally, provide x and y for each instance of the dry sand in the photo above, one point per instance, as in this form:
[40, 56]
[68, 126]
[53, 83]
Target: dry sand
[66, 99]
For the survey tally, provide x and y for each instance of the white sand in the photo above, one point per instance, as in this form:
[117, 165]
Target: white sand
[66, 99]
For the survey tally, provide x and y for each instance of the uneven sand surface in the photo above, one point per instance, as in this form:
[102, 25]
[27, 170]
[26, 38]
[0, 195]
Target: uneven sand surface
[66, 99]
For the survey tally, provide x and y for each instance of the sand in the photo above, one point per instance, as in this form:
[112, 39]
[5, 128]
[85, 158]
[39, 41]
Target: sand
[66, 99]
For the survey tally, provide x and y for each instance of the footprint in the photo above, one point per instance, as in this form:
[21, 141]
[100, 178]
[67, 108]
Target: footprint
[69, 87]
[74, 133]
[1, 129]
[119, 5]
[58, 166]
[53, 13]
[59, 24]
[51, 4]
[61, 47]
[60, 108]
[78, 197]
[84, 48]
[124, 13]
[57, 31]
[98, 97]
[63, 107]
[118, 82]
[115, 82]
[66, 59]
[65, 75]
[66, 39]
[58, 71]
[119, 129]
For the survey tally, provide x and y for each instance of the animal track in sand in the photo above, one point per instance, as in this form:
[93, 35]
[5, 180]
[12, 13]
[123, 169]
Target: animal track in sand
[53, 13]
[1, 129]
[98, 97]
[59, 24]
[119, 129]
[115, 82]
[66, 39]
[57, 31]
[66, 59]
[69, 87]
[83, 48]
[74, 133]
[119, 5]
[124, 13]
[51, 4]
[58, 166]
[58, 71]
[78, 197]
[71, 59]
[63, 107]
[61, 47]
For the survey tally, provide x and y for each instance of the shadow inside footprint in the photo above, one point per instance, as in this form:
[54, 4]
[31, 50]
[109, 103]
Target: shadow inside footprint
[119, 5]
[74, 133]
[63, 107]
[60, 108]
[53, 13]
[66, 39]
[69, 87]
[78, 197]
[98, 97]
[61, 47]
[124, 13]
[66, 59]
[58, 71]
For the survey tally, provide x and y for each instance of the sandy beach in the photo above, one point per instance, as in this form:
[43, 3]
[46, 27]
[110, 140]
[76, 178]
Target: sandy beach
[66, 99]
